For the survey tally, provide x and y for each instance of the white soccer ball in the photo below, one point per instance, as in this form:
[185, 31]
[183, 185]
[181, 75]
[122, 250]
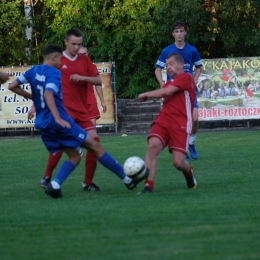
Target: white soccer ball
[134, 167]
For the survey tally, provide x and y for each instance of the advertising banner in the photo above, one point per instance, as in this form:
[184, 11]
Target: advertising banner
[14, 108]
[229, 89]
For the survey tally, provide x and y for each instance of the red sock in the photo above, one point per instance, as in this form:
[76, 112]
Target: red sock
[53, 160]
[188, 174]
[90, 165]
[149, 184]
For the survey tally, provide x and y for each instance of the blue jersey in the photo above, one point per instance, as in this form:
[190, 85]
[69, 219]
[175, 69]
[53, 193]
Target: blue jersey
[41, 78]
[189, 53]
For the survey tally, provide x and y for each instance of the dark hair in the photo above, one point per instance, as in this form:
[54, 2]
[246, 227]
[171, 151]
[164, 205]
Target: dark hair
[50, 48]
[177, 57]
[178, 24]
[75, 32]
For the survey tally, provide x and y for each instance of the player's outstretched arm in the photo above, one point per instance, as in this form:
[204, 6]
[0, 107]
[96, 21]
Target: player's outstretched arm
[49, 99]
[159, 93]
[101, 97]
[15, 87]
[3, 77]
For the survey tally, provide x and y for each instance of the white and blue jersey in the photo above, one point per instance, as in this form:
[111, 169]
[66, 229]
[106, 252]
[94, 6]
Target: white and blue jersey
[43, 78]
[54, 136]
[190, 55]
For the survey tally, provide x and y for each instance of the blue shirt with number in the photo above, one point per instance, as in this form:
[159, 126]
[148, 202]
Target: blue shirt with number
[42, 78]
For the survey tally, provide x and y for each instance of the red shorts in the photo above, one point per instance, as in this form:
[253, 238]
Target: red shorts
[93, 111]
[174, 139]
[82, 119]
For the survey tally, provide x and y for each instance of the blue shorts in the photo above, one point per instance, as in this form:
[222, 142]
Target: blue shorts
[196, 104]
[56, 138]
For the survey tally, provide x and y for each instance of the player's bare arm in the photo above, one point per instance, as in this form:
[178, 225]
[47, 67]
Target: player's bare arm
[15, 87]
[96, 80]
[3, 77]
[49, 99]
[101, 97]
[159, 93]
[158, 75]
[197, 74]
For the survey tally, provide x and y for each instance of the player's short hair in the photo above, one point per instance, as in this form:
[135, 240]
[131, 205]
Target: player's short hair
[177, 57]
[50, 49]
[178, 24]
[75, 32]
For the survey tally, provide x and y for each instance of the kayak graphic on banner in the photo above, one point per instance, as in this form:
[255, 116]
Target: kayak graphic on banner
[229, 89]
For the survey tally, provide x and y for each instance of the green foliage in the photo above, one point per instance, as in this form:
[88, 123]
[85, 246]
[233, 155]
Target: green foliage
[132, 33]
[12, 29]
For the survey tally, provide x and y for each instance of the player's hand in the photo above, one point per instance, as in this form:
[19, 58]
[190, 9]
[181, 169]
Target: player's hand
[63, 123]
[142, 97]
[31, 112]
[104, 107]
[76, 78]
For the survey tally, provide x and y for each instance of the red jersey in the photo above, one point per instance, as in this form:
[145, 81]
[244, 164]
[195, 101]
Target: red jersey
[91, 98]
[74, 94]
[177, 109]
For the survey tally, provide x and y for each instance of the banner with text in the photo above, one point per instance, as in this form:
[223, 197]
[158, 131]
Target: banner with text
[14, 108]
[229, 89]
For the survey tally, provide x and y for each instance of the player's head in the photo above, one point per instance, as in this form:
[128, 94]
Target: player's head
[179, 30]
[73, 41]
[174, 64]
[83, 50]
[52, 54]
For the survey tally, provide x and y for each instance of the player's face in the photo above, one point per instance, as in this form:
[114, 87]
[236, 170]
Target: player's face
[73, 45]
[173, 67]
[179, 34]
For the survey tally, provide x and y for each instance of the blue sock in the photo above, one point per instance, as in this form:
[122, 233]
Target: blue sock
[64, 171]
[109, 162]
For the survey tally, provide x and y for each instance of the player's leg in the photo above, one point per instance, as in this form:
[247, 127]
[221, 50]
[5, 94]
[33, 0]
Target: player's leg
[91, 164]
[52, 163]
[109, 162]
[178, 147]
[155, 146]
[182, 164]
[54, 188]
[192, 136]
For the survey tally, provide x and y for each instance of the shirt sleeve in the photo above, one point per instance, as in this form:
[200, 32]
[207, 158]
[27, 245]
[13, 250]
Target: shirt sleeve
[161, 62]
[197, 59]
[91, 68]
[53, 82]
[25, 77]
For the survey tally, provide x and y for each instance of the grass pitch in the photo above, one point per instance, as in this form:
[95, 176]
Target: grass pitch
[220, 219]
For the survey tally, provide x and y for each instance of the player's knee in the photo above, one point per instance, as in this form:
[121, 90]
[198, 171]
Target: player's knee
[153, 148]
[178, 163]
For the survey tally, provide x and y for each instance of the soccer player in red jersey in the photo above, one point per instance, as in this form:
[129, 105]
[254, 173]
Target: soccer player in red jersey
[93, 111]
[77, 71]
[174, 123]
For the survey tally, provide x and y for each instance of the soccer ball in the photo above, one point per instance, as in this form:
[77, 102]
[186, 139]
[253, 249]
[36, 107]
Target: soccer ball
[134, 167]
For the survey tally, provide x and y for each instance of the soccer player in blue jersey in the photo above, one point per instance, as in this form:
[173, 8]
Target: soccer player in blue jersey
[58, 130]
[191, 58]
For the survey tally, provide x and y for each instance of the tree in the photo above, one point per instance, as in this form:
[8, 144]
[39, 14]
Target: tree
[12, 28]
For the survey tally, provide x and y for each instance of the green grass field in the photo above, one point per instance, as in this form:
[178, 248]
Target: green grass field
[218, 220]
